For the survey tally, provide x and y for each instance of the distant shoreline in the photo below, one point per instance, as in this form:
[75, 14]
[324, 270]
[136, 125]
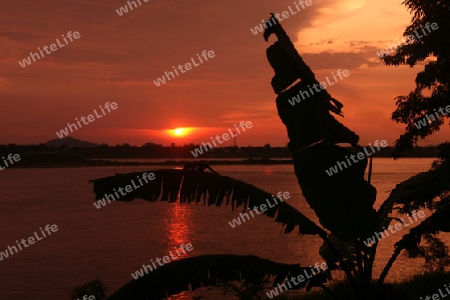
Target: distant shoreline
[168, 162]
[71, 153]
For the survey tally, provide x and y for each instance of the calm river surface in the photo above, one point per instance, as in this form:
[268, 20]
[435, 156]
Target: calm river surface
[114, 241]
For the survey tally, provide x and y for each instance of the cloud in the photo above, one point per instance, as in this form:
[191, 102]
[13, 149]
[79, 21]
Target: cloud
[17, 36]
[342, 60]
[117, 59]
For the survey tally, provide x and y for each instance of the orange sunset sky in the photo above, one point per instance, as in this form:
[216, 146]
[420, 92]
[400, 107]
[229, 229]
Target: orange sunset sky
[118, 57]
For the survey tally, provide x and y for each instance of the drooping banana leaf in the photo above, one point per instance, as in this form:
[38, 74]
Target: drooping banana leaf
[418, 191]
[209, 188]
[209, 270]
[438, 221]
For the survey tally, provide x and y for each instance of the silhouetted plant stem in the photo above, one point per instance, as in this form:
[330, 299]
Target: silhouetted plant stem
[388, 266]
[328, 290]
[371, 253]
[359, 258]
[369, 176]
[347, 272]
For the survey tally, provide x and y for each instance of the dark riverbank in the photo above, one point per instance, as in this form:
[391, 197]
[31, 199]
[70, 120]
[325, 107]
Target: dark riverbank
[91, 155]
[24, 163]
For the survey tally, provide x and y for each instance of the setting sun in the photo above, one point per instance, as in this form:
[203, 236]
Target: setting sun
[179, 132]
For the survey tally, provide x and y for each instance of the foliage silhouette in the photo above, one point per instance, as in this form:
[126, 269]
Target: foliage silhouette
[94, 288]
[435, 77]
[313, 133]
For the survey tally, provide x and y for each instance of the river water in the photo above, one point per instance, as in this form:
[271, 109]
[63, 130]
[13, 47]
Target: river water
[114, 241]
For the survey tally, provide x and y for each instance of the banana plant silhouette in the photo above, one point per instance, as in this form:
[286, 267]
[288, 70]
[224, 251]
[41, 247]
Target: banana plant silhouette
[343, 202]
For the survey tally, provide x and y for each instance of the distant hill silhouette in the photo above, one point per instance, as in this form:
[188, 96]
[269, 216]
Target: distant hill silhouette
[70, 142]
